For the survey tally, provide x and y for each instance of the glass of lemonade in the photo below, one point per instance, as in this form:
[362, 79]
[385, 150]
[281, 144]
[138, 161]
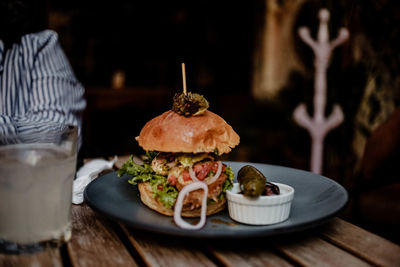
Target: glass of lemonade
[37, 168]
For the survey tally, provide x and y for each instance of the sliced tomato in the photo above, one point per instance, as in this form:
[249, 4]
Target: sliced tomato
[197, 168]
[186, 176]
[160, 187]
[172, 179]
[202, 171]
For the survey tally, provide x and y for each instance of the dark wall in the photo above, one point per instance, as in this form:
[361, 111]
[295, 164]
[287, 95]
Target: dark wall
[149, 39]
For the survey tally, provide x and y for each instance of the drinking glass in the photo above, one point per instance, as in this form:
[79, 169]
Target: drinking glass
[37, 168]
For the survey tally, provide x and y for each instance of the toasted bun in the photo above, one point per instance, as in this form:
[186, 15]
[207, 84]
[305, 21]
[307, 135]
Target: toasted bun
[171, 132]
[147, 198]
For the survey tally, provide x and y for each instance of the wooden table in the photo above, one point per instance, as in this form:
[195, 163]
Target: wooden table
[98, 241]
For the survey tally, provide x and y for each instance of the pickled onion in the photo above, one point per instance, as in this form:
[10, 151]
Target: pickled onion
[179, 204]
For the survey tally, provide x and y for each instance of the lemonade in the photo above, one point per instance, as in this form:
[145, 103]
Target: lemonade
[35, 192]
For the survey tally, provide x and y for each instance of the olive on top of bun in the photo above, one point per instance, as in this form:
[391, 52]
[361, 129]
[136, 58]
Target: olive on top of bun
[182, 147]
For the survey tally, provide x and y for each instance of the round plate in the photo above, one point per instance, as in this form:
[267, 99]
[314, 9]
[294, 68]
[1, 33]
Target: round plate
[316, 200]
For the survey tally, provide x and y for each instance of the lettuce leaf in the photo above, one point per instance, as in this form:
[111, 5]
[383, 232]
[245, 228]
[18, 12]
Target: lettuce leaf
[228, 184]
[162, 190]
[165, 193]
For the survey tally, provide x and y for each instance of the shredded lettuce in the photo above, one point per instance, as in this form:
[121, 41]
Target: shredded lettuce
[161, 188]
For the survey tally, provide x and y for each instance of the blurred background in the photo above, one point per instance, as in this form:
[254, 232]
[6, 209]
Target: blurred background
[247, 59]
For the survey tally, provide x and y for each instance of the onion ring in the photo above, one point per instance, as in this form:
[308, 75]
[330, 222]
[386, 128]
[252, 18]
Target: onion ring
[217, 174]
[179, 204]
[192, 174]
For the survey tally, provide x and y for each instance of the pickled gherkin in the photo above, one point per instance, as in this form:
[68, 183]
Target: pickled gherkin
[252, 181]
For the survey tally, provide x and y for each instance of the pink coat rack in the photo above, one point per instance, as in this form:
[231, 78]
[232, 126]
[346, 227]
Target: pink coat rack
[319, 125]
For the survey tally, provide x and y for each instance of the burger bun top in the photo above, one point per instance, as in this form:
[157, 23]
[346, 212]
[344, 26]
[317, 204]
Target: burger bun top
[171, 132]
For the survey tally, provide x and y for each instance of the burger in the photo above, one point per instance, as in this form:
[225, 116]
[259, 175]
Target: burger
[183, 146]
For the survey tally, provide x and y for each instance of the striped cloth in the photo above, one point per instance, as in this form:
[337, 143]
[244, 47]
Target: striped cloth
[37, 84]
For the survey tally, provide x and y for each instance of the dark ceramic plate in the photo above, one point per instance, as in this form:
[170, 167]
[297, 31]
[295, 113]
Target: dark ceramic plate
[316, 200]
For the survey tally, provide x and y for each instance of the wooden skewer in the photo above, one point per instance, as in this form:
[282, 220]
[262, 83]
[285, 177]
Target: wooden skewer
[184, 78]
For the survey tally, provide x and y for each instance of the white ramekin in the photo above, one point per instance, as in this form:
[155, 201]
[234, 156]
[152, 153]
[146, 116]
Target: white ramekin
[261, 210]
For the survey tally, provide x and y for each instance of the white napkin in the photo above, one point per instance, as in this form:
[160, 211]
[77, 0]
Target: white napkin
[86, 174]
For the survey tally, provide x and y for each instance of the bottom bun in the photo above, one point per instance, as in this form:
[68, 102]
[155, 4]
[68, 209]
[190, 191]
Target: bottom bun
[146, 195]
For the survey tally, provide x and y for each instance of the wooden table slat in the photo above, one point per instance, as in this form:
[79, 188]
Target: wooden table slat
[93, 241]
[166, 251]
[48, 257]
[313, 251]
[249, 258]
[362, 243]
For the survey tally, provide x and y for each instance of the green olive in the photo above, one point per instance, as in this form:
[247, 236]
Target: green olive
[252, 181]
